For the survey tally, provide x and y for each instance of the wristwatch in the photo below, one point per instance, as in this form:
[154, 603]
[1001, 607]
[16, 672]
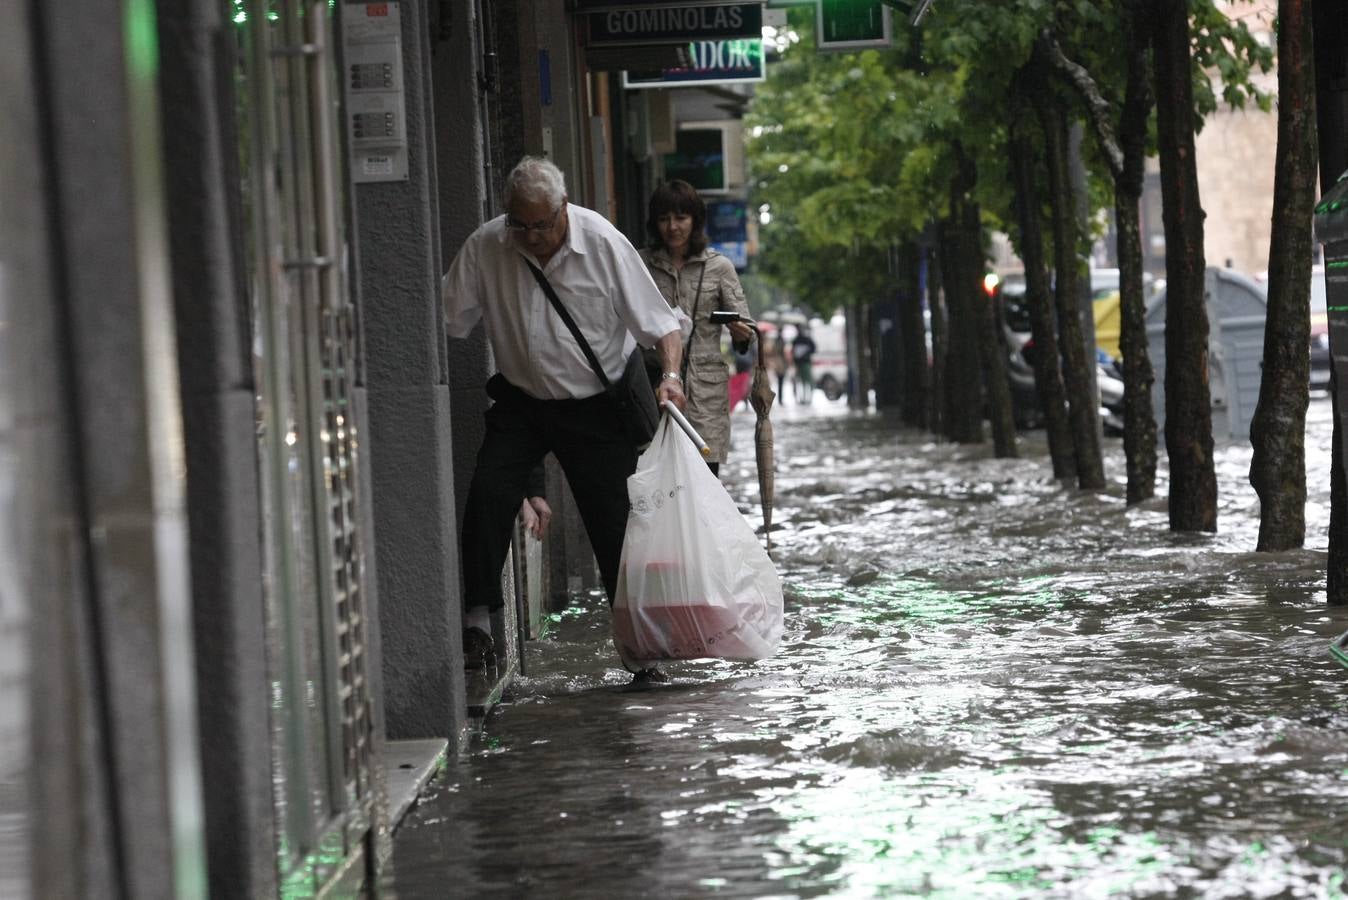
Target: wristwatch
[672, 376]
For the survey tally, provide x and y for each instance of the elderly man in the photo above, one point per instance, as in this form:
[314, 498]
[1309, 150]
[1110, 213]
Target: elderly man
[547, 397]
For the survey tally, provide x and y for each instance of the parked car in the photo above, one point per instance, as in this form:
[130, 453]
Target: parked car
[830, 356]
[1320, 362]
[829, 366]
[1109, 379]
[1108, 383]
[1015, 314]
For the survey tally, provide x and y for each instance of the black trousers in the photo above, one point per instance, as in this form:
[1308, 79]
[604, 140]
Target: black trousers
[594, 453]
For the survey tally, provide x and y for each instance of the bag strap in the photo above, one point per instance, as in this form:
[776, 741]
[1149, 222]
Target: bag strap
[570, 322]
[697, 300]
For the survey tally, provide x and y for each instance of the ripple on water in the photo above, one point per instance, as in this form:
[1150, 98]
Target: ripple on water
[989, 687]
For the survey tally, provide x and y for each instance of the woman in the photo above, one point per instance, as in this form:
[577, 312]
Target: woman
[697, 280]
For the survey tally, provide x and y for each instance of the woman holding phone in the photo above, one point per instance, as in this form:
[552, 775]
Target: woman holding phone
[699, 281]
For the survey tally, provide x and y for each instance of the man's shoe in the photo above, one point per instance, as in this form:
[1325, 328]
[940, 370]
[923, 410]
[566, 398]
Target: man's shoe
[478, 649]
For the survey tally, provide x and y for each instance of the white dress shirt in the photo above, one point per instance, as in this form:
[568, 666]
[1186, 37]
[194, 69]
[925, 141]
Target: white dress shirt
[598, 276]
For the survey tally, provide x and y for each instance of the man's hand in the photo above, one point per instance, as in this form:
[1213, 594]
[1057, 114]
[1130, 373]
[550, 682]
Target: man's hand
[536, 514]
[740, 332]
[671, 389]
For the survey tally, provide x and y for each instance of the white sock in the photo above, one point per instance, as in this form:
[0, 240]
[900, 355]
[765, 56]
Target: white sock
[478, 617]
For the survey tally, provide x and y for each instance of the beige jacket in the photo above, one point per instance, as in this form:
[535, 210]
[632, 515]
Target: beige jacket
[705, 383]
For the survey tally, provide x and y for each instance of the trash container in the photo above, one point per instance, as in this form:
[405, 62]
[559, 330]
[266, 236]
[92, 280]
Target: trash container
[1331, 229]
[1237, 307]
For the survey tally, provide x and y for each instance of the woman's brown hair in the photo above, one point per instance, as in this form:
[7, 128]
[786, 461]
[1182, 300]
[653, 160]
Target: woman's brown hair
[677, 197]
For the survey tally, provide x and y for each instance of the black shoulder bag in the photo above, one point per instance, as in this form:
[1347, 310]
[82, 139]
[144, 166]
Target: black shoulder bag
[632, 392]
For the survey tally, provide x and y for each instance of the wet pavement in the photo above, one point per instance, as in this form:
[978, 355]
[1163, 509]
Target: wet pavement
[990, 686]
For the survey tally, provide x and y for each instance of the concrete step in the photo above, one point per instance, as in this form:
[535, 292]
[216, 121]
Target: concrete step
[410, 766]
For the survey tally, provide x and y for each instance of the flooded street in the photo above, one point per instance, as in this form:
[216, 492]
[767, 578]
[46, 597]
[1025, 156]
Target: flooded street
[990, 686]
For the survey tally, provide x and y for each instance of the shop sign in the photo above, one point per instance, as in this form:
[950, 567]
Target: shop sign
[675, 24]
[714, 62]
[736, 251]
[852, 24]
[726, 222]
[583, 6]
[727, 230]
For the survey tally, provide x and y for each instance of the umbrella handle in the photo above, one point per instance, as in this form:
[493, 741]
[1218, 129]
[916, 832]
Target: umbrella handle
[687, 427]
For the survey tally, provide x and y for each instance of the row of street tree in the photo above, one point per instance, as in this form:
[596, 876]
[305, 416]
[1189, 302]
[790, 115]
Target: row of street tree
[875, 162]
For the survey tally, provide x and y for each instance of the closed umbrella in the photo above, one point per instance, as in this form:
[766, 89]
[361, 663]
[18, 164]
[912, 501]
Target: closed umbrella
[761, 396]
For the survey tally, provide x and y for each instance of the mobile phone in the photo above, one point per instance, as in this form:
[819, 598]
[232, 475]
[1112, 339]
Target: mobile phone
[724, 316]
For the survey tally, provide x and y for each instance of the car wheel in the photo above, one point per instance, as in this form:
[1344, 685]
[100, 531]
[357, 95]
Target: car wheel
[830, 386]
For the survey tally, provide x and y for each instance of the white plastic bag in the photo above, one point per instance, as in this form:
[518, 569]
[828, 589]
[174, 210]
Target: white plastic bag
[694, 582]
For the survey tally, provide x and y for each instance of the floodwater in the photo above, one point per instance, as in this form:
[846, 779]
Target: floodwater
[990, 686]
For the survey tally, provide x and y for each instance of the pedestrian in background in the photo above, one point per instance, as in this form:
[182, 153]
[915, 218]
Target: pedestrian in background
[788, 371]
[744, 373]
[547, 397]
[802, 353]
[693, 277]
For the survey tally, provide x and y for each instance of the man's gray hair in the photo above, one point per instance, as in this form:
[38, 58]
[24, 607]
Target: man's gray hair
[533, 179]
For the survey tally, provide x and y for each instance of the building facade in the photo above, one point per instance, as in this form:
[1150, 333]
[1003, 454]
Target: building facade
[234, 440]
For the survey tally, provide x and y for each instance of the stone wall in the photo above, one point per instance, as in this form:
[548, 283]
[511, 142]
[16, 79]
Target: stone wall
[1237, 150]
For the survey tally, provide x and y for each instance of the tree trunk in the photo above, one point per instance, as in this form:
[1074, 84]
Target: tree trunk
[858, 330]
[913, 402]
[991, 355]
[887, 343]
[887, 351]
[964, 402]
[1125, 156]
[1139, 422]
[1083, 407]
[939, 331]
[1188, 409]
[992, 360]
[1047, 373]
[1278, 429]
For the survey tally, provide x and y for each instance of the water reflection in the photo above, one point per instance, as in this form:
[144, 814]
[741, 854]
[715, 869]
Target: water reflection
[989, 686]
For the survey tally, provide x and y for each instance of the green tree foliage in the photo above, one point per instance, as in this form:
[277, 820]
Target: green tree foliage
[1226, 57]
[850, 152]
[841, 158]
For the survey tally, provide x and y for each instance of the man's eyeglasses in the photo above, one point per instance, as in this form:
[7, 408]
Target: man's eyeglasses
[539, 227]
